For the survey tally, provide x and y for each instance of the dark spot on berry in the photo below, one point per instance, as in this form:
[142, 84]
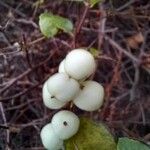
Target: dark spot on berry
[69, 77]
[52, 96]
[81, 87]
[65, 123]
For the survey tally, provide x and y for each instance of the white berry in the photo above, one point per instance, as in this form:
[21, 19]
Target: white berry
[65, 124]
[61, 68]
[90, 97]
[49, 139]
[62, 87]
[50, 101]
[80, 64]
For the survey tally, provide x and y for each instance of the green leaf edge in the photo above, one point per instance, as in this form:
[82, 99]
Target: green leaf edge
[62, 23]
[98, 126]
[123, 140]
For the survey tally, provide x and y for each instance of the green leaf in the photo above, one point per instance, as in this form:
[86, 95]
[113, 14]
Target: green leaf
[90, 2]
[91, 136]
[50, 24]
[130, 144]
[76, 0]
[63, 23]
[95, 52]
[46, 25]
[94, 2]
[38, 2]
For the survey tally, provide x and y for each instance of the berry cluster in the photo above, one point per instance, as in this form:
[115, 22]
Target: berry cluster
[70, 84]
[64, 125]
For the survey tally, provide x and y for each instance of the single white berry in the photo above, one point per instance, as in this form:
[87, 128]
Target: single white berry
[50, 101]
[79, 64]
[61, 68]
[91, 97]
[65, 124]
[63, 88]
[49, 139]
